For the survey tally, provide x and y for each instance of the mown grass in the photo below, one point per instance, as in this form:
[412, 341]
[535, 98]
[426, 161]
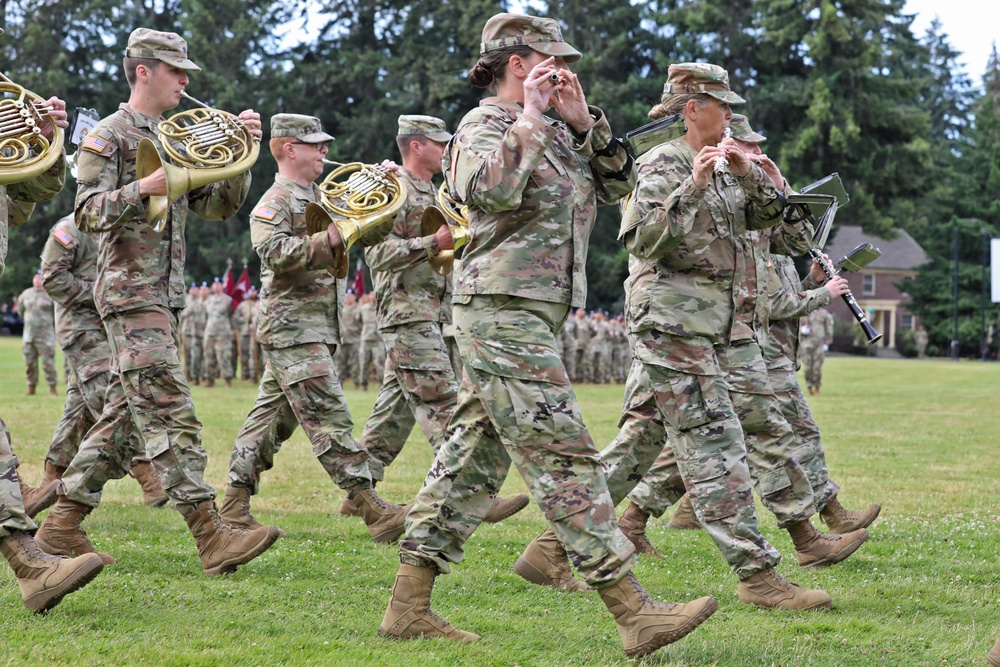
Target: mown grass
[918, 437]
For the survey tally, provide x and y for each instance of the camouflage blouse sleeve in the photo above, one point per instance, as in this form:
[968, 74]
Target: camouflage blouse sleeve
[662, 212]
[785, 303]
[101, 204]
[57, 276]
[41, 188]
[491, 163]
[398, 252]
[280, 250]
[765, 205]
[614, 169]
[18, 211]
[220, 201]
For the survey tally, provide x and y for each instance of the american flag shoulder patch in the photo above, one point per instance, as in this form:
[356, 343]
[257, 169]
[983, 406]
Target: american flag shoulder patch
[95, 143]
[63, 237]
[265, 213]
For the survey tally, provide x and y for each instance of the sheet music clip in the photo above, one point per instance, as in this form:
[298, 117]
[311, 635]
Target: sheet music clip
[822, 199]
[651, 135]
[84, 121]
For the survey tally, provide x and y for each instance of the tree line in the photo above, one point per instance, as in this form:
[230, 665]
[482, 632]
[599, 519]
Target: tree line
[844, 87]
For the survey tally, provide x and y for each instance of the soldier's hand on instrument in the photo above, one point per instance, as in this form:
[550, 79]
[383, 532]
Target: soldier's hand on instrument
[390, 165]
[704, 165]
[816, 271]
[333, 236]
[57, 112]
[252, 120]
[538, 89]
[771, 169]
[445, 240]
[571, 103]
[739, 162]
[837, 286]
[154, 184]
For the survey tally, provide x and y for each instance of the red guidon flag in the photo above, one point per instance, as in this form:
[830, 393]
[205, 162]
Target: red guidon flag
[238, 290]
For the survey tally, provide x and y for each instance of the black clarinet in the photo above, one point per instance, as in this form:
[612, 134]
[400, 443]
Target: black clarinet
[873, 335]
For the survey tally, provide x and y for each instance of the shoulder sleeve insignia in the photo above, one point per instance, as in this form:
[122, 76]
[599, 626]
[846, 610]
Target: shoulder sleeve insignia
[265, 213]
[96, 144]
[63, 237]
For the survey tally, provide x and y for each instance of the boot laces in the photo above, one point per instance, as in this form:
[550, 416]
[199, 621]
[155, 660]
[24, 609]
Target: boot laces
[31, 549]
[779, 580]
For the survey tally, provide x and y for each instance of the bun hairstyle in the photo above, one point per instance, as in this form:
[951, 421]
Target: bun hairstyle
[672, 103]
[491, 66]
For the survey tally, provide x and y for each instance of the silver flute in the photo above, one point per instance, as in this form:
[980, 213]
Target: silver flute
[721, 163]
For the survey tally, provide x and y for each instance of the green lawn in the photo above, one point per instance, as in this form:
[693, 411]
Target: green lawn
[920, 437]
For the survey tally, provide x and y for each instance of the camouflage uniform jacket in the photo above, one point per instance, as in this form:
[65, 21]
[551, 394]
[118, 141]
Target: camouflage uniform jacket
[698, 275]
[584, 331]
[17, 200]
[69, 267]
[193, 317]
[243, 316]
[533, 188]
[137, 266]
[299, 298]
[36, 307]
[351, 323]
[218, 307]
[787, 301]
[407, 289]
[369, 322]
[819, 324]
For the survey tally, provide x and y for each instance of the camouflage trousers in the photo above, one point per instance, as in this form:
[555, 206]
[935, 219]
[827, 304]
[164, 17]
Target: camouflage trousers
[193, 356]
[600, 363]
[583, 365]
[346, 360]
[516, 404]
[299, 386]
[147, 392]
[12, 516]
[453, 353]
[219, 356]
[569, 359]
[71, 429]
[371, 356]
[32, 351]
[419, 387]
[813, 357]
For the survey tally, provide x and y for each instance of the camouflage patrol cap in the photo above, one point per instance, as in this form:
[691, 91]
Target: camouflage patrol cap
[168, 47]
[307, 129]
[429, 126]
[691, 78]
[542, 35]
[740, 125]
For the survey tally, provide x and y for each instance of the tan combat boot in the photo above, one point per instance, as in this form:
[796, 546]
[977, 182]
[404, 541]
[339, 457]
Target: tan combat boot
[684, 518]
[546, 563]
[769, 589]
[347, 508]
[384, 520]
[36, 499]
[814, 548]
[60, 534]
[45, 579]
[223, 548]
[153, 494]
[210, 382]
[31, 390]
[841, 520]
[236, 510]
[993, 659]
[633, 524]
[646, 624]
[503, 508]
[409, 612]
[52, 390]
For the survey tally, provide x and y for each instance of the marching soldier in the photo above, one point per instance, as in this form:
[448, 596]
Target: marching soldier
[139, 292]
[218, 336]
[244, 321]
[817, 336]
[43, 579]
[350, 333]
[371, 350]
[299, 330]
[192, 325]
[38, 338]
[412, 303]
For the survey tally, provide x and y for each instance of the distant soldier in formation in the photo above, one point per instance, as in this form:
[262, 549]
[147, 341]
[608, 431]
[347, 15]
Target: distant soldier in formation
[817, 335]
[584, 332]
[244, 321]
[218, 336]
[600, 348]
[371, 349]
[39, 337]
[920, 339]
[568, 337]
[348, 364]
[299, 331]
[192, 326]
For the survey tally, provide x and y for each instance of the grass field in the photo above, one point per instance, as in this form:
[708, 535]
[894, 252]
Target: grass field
[920, 437]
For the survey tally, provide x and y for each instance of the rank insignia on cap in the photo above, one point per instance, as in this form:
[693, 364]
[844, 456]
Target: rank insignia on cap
[265, 213]
[95, 143]
[63, 237]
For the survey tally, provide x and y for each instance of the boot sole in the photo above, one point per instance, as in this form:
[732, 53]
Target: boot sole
[229, 566]
[157, 502]
[106, 559]
[662, 639]
[993, 660]
[522, 502]
[531, 573]
[42, 601]
[841, 555]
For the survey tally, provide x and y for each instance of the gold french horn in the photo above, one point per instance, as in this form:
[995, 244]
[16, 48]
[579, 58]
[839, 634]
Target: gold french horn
[204, 145]
[24, 151]
[456, 216]
[362, 200]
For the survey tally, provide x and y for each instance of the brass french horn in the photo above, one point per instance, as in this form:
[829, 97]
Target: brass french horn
[204, 145]
[24, 151]
[456, 216]
[362, 200]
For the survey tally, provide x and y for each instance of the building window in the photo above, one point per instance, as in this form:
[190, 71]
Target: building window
[868, 284]
[907, 321]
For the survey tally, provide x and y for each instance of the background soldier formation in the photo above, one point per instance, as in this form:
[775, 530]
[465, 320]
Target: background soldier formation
[708, 392]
